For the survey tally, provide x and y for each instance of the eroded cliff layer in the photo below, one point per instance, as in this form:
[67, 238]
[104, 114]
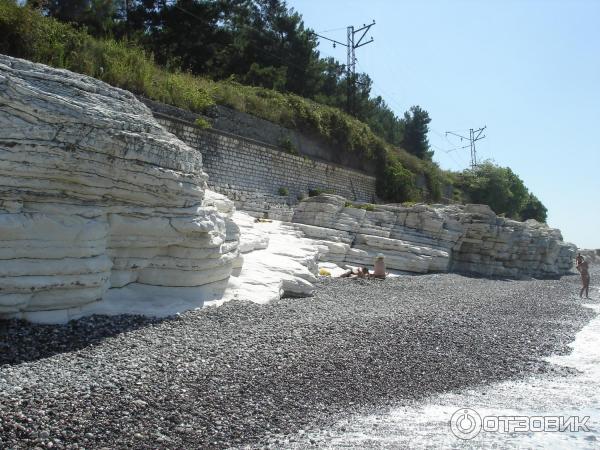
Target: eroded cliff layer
[95, 194]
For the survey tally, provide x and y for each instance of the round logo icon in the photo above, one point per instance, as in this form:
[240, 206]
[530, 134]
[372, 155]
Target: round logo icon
[465, 423]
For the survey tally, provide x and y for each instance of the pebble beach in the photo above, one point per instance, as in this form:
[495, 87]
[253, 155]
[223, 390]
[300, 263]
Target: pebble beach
[244, 375]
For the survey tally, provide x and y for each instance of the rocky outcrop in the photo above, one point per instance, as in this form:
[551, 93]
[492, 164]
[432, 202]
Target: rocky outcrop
[103, 211]
[96, 196]
[433, 238]
[258, 204]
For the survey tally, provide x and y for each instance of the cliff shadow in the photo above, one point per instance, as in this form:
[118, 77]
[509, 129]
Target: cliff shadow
[22, 341]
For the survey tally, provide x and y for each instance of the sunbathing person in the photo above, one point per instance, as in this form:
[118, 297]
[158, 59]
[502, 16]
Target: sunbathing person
[356, 272]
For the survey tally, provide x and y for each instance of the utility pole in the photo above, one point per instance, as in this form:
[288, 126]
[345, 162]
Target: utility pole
[474, 136]
[351, 45]
[351, 64]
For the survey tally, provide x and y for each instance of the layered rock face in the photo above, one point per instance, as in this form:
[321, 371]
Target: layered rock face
[420, 238]
[95, 194]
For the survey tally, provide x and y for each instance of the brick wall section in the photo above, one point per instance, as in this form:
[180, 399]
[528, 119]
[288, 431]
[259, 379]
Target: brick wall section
[239, 165]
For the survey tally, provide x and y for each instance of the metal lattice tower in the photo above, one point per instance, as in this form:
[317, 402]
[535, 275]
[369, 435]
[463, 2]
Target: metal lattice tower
[351, 45]
[474, 136]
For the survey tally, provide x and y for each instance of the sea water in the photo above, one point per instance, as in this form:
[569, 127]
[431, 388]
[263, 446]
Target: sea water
[501, 415]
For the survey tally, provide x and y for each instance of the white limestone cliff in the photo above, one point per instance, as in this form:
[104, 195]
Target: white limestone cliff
[95, 195]
[104, 212]
[434, 238]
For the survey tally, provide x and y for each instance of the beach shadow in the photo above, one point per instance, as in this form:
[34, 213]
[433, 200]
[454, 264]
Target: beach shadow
[21, 341]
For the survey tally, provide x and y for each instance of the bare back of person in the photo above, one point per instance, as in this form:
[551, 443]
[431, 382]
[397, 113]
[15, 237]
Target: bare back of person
[583, 268]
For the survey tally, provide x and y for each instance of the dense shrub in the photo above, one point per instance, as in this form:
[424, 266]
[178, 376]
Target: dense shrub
[396, 183]
[317, 191]
[201, 122]
[286, 144]
[502, 190]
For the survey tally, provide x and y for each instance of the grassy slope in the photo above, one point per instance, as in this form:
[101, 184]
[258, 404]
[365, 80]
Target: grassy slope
[26, 34]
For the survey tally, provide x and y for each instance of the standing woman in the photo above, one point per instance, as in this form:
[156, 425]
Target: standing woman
[583, 268]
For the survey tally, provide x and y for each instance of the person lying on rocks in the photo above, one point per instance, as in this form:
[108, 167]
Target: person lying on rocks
[583, 267]
[356, 272]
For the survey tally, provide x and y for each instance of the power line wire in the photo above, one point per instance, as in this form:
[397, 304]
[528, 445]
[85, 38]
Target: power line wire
[450, 151]
[454, 160]
[456, 148]
[389, 97]
[446, 151]
[333, 29]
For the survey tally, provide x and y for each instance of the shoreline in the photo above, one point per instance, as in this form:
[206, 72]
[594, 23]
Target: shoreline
[426, 423]
[242, 373]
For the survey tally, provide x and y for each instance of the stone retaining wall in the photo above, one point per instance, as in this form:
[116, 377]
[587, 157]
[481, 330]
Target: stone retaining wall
[251, 127]
[255, 174]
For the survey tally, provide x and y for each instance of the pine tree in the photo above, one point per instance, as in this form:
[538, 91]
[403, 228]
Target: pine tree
[415, 141]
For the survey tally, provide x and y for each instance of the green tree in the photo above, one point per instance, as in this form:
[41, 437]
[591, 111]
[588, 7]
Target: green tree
[189, 35]
[382, 120]
[330, 91]
[416, 126]
[534, 209]
[267, 77]
[498, 187]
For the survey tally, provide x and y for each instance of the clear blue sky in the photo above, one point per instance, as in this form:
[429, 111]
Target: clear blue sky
[528, 69]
